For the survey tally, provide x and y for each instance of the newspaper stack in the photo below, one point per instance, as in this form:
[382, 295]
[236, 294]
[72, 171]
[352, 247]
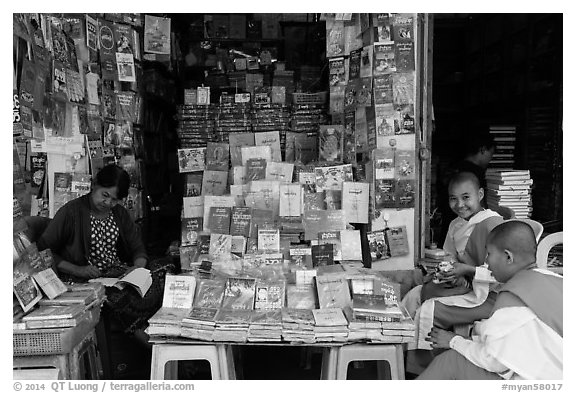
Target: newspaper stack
[511, 189]
[297, 325]
[266, 326]
[330, 325]
[200, 323]
[232, 325]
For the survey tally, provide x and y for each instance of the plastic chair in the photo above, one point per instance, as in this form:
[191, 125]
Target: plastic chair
[391, 353]
[505, 212]
[536, 226]
[545, 246]
[219, 357]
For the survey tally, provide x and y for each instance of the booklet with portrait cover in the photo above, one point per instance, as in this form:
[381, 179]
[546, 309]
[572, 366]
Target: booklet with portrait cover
[270, 295]
[330, 143]
[217, 156]
[405, 162]
[403, 88]
[332, 199]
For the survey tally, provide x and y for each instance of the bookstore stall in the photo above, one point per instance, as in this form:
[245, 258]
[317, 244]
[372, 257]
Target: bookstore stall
[204, 184]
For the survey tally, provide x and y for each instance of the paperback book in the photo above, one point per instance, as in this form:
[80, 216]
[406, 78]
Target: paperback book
[239, 293]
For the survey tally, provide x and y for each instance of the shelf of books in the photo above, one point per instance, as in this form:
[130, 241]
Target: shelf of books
[504, 146]
[78, 102]
[279, 181]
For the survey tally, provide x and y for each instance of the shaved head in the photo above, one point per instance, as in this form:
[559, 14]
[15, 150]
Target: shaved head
[516, 237]
[463, 177]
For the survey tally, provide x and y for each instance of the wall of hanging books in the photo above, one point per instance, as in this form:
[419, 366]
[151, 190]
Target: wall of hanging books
[270, 176]
[78, 102]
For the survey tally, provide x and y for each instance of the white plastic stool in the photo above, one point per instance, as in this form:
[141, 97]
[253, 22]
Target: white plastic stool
[329, 363]
[391, 353]
[219, 356]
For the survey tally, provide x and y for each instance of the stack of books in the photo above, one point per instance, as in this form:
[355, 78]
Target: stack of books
[265, 326]
[297, 325]
[308, 117]
[403, 331]
[200, 323]
[195, 125]
[232, 325]
[167, 321]
[505, 145]
[361, 330]
[232, 118]
[46, 317]
[367, 307]
[330, 325]
[511, 189]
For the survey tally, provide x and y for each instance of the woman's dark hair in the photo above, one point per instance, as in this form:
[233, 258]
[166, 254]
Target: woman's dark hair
[114, 176]
[476, 137]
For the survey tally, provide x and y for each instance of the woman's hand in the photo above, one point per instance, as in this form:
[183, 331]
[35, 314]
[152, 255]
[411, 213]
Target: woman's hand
[440, 338]
[88, 271]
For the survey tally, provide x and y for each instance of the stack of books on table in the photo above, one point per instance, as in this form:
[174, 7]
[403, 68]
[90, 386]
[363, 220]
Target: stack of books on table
[265, 325]
[297, 325]
[331, 325]
[361, 330]
[511, 189]
[167, 321]
[47, 317]
[398, 332]
[232, 325]
[200, 323]
[367, 307]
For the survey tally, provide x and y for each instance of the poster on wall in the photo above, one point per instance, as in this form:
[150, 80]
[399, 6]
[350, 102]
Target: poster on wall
[156, 35]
